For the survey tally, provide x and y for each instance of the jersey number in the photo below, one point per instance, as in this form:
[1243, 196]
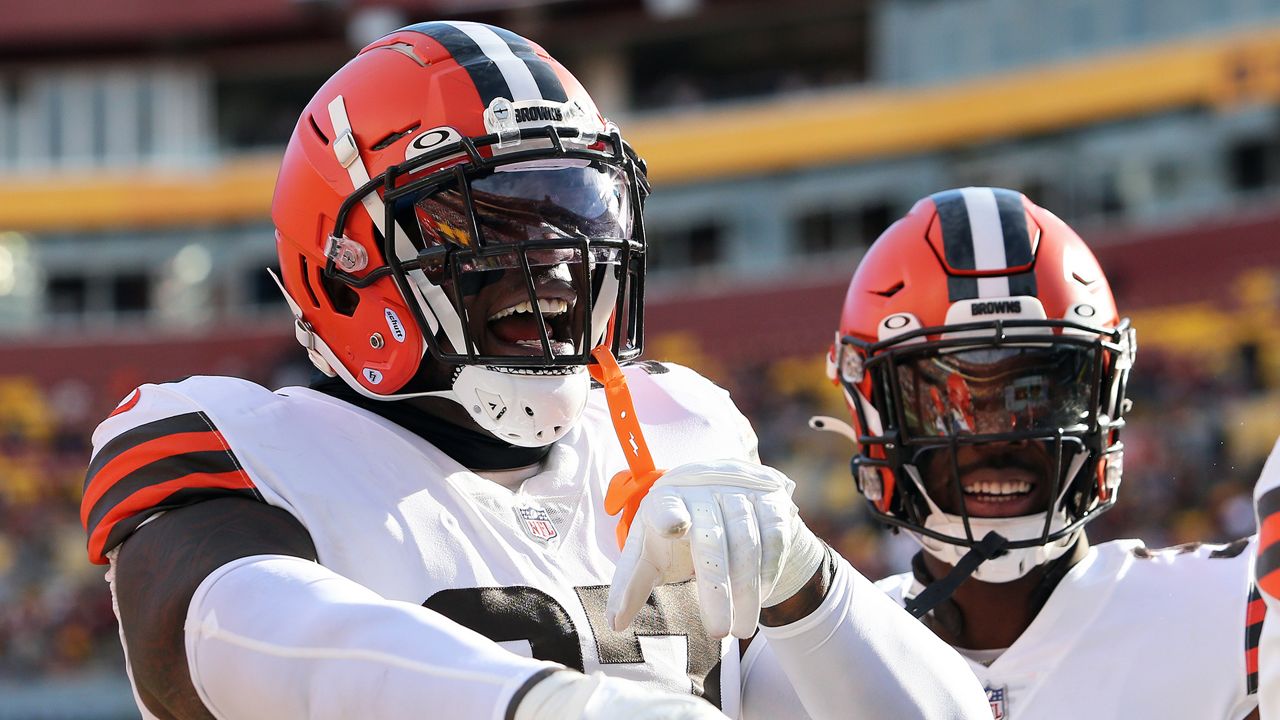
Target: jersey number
[524, 613]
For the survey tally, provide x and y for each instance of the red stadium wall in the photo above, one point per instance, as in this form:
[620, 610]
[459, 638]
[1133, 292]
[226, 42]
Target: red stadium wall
[759, 321]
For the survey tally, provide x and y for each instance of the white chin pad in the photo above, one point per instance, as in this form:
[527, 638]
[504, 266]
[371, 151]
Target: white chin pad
[522, 407]
[1013, 564]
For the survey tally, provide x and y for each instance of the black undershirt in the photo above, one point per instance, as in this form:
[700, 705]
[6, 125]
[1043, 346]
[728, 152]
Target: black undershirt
[472, 449]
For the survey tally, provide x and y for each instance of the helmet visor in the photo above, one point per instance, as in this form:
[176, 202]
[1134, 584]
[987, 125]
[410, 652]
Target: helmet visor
[528, 202]
[530, 256]
[1024, 390]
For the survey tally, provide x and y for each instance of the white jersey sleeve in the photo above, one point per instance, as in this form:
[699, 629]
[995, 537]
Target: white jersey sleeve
[1265, 657]
[279, 637]
[857, 655]
[157, 451]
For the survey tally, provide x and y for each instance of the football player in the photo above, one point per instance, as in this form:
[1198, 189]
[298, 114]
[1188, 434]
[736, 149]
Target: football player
[423, 531]
[985, 366]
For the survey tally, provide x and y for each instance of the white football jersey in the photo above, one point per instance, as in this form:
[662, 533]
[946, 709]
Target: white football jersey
[1130, 633]
[528, 568]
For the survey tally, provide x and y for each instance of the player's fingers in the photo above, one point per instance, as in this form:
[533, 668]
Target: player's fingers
[666, 513]
[774, 522]
[742, 538]
[634, 577]
[711, 564]
[661, 520]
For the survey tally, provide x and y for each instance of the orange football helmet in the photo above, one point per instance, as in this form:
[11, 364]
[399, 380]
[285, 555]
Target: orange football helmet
[452, 205]
[979, 318]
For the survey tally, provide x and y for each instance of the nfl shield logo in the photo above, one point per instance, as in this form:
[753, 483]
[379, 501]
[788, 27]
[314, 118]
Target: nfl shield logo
[536, 522]
[995, 696]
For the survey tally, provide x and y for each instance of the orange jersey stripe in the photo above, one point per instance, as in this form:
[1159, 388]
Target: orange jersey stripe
[142, 455]
[1257, 610]
[1270, 583]
[1269, 533]
[127, 405]
[150, 497]
[1251, 660]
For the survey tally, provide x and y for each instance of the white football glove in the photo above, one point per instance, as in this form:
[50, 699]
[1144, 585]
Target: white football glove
[570, 695]
[730, 524]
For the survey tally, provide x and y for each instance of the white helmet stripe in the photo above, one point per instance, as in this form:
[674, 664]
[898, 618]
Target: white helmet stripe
[440, 311]
[521, 82]
[988, 240]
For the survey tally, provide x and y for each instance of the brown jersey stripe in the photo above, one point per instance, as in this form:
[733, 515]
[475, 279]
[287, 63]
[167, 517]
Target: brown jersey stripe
[186, 423]
[1268, 562]
[144, 454]
[125, 517]
[1255, 613]
[1269, 503]
[1268, 534]
[1270, 583]
[205, 462]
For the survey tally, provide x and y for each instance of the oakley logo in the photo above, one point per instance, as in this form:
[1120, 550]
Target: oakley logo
[431, 140]
[539, 113]
[996, 307]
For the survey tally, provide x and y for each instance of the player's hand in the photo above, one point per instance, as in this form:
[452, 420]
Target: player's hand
[570, 695]
[731, 525]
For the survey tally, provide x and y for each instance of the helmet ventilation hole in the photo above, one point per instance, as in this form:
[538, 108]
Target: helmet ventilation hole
[891, 291]
[528, 411]
[341, 296]
[385, 142]
[316, 129]
[306, 282]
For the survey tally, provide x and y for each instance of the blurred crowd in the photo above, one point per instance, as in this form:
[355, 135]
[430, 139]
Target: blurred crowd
[1195, 443]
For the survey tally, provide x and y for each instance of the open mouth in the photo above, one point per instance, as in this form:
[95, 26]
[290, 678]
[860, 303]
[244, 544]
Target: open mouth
[514, 329]
[1000, 493]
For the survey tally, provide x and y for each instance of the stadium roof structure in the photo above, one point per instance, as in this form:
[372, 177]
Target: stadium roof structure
[750, 138]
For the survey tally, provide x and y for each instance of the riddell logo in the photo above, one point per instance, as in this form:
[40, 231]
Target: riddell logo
[996, 307]
[539, 113]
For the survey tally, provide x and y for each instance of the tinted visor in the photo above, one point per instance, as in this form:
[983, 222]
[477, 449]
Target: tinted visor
[988, 391]
[528, 202]
[530, 255]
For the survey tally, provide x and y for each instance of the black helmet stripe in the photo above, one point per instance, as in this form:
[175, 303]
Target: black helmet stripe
[957, 243]
[485, 73]
[500, 62]
[985, 229]
[543, 74]
[1013, 227]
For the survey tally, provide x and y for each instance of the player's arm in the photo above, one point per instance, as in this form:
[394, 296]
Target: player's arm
[157, 571]
[225, 612]
[841, 642]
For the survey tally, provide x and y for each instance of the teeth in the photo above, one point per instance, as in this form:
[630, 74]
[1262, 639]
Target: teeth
[558, 347]
[550, 308]
[998, 488]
